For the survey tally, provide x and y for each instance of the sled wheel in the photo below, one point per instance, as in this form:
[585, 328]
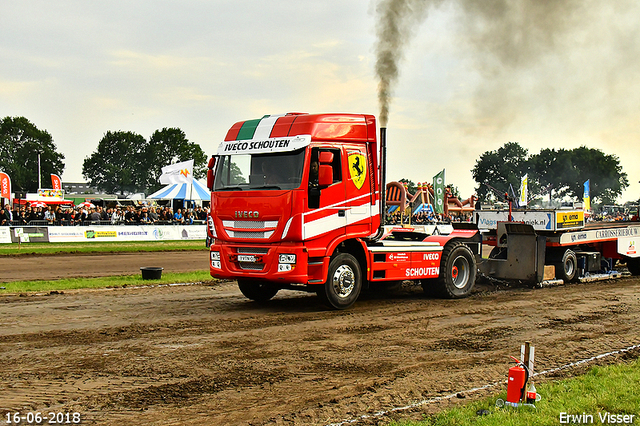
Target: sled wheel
[457, 271]
[567, 268]
[260, 291]
[344, 282]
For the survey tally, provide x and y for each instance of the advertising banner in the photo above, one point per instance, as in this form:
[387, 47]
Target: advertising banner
[569, 219]
[5, 186]
[5, 235]
[54, 194]
[524, 195]
[438, 192]
[586, 198]
[127, 233]
[177, 173]
[540, 220]
[30, 234]
[56, 183]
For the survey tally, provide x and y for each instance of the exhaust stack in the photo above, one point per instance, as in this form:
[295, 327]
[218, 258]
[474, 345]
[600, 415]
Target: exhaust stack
[383, 183]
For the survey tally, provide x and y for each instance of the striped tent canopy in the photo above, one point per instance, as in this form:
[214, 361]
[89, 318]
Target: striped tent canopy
[182, 191]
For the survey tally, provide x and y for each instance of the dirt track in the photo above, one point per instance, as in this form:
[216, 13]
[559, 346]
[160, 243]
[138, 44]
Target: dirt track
[206, 355]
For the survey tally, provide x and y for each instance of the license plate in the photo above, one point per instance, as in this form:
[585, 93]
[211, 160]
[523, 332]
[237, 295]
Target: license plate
[246, 258]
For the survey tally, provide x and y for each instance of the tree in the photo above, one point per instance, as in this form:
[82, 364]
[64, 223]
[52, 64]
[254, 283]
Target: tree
[549, 169]
[168, 146]
[20, 143]
[116, 165]
[607, 180]
[501, 169]
[558, 173]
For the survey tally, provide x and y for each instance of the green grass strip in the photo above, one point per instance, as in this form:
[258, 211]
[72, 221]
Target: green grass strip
[103, 282]
[99, 247]
[602, 396]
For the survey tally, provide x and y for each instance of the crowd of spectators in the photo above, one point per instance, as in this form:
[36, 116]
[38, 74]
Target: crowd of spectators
[614, 217]
[119, 215]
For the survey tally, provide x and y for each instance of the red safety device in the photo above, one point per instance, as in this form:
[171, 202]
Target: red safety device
[517, 380]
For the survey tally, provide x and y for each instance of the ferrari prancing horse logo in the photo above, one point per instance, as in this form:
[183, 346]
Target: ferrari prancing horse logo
[357, 169]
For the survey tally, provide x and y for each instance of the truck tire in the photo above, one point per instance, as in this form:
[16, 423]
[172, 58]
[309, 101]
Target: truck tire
[457, 272]
[633, 265]
[344, 282]
[260, 291]
[567, 268]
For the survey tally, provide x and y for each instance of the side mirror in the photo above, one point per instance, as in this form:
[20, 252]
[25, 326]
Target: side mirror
[325, 175]
[210, 174]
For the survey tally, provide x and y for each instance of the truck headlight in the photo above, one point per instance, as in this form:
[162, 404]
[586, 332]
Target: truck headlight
[287, 258]
[215, 259]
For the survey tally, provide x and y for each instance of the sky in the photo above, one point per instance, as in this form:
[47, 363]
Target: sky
[472, 75]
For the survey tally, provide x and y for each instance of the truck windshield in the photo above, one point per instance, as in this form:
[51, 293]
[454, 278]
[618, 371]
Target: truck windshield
[282, 170]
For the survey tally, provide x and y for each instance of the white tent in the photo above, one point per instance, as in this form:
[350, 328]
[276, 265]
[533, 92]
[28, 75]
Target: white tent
[183, 191]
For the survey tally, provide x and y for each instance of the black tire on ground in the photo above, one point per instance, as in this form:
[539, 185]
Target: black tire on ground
[633, 265]
[567, 268]
[458, 271]
[344, 282]
[260, 291]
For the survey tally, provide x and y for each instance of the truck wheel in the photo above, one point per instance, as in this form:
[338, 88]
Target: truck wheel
[260, 291]
[344, 282]
[567, 268]
[633, 265]
[457, 271]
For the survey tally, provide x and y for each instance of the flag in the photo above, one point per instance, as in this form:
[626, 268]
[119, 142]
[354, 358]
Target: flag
[438, 192]
[586, 198]
[177, 173]
[524, 183]
[5, 186]
[56, 183]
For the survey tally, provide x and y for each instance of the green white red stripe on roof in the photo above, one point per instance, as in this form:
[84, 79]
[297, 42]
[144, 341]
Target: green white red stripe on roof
[258, 136]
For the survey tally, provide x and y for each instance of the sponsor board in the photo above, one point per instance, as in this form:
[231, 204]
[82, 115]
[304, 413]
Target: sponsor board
[127, 233]
[30, 234]
[629, 246]
[5, 235]
[569, 219]
[595, 235]
[540, 220]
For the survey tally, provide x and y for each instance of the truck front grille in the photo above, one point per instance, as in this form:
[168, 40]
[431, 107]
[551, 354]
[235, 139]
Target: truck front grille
[250, 229]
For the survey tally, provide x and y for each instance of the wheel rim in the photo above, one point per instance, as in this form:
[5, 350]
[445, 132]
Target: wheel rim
[343, 281]
[569, 267]
[460, 272]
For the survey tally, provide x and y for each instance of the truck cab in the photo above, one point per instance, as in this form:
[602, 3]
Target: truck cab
[287, 191]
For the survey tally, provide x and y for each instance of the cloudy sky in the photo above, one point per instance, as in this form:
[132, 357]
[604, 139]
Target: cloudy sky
[473, 74]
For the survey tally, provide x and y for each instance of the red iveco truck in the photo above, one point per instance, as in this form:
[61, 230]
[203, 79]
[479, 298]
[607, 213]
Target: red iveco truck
[297, 204]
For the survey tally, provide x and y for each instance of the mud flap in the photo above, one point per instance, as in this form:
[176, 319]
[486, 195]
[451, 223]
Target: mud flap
[525, 254]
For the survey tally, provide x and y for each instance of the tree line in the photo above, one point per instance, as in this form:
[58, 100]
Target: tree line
[126, 162]
[123, 162]
[552, 174]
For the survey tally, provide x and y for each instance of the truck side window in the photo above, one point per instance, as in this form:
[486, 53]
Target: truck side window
[336, 165]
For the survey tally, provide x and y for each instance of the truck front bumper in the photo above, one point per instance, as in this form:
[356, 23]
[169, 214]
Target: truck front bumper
[276, 263]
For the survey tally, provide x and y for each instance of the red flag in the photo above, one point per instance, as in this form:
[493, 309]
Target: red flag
[5, 186]
[56, 183]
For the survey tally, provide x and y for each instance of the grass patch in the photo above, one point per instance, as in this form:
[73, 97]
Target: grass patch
[99, 247]
[605, 390]
[103, 282]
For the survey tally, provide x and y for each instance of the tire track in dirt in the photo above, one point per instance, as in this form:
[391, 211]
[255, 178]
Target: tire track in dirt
[206, 355]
